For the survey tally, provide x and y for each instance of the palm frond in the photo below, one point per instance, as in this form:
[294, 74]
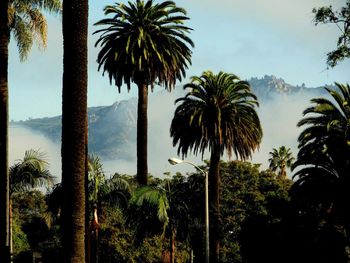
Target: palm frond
[28, 24]
[324, 149]
[153, 196]
[30, 172]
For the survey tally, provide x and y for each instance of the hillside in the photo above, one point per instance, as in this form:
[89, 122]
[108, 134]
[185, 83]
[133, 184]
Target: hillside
[112, 129]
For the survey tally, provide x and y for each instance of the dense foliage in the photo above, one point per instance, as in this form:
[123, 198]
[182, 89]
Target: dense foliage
[136, 233]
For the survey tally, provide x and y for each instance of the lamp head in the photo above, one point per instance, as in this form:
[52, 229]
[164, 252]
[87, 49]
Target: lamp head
[174, 161]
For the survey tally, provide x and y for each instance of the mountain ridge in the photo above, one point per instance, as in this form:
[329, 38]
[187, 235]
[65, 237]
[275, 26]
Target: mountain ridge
[112, 129]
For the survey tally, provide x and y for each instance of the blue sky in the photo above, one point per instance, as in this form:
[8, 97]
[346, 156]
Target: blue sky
[249, 38]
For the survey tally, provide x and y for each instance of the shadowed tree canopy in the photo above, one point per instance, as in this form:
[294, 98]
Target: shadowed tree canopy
[341, 18]
[324, 152]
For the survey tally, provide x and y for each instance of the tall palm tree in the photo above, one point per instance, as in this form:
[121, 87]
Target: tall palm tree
[25, 20]
[281, 159]
[144, 43]
[30, 172]
[217, 114]
[74, 129]
[4, 176]
[324, 152]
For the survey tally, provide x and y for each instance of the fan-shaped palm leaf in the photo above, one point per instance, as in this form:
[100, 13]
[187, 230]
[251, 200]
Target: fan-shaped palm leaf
[280, 160]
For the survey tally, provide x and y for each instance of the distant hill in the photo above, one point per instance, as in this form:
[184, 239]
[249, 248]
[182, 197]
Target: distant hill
[112, 129]
[270, 86]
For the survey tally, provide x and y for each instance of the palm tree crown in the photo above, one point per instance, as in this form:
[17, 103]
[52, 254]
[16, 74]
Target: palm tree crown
[325, 142]
[28, 24]
[30, 172]
[144, 42]
[281, 159]
[218, 111]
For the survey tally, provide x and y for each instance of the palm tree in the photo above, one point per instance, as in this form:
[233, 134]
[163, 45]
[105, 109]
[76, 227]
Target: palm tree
[324, 152]
[280, 160]
[74, 129]
[31, 172]
[144, 43]
[170, 210]
[4, 176]
[216, 114]
[25, 20]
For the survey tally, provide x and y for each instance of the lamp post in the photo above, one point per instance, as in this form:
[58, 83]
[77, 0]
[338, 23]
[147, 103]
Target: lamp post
[174, 161]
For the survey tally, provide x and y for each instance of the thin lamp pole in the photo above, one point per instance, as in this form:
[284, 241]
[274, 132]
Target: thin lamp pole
[174, 161]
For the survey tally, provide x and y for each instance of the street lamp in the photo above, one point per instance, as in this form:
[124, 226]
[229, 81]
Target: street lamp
[175, 161]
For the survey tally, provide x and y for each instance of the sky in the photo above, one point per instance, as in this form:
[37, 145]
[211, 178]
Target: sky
[250, 38]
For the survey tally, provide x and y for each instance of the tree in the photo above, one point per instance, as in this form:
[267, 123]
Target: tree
[25, 20]
[4, 117]
[324, 154]
[30, 172]
[341, 18]
[111, 190]
[248, 195]
[165, 200]
[74, 129]
[216, 114]
[26, 174]
[144, 43]
[280, 160]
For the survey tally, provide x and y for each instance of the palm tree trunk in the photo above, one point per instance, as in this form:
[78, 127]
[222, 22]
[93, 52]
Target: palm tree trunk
[172, 245]
[74, 112]
[142, 166]
[4, 174]
[283, 170]
[94, 237]
[11, 229]
[87, 208]
[214, 194]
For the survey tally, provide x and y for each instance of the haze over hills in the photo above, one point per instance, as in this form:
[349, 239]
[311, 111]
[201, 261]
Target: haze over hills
[112, 129]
